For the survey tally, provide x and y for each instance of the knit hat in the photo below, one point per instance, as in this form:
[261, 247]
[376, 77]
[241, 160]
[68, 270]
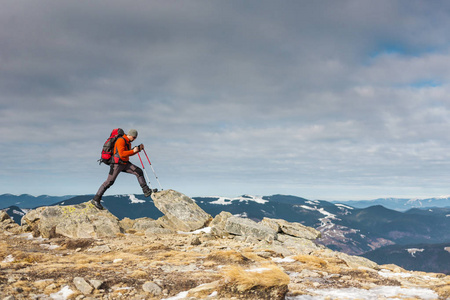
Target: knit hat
[133, 132]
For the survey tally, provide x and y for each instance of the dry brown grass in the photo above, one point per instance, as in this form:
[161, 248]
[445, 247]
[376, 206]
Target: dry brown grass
[312, 261]
[253, 256]
[76, 243]
[267, 276]
[21, 257]
[138, 274]
[228, 257]
[176, 258]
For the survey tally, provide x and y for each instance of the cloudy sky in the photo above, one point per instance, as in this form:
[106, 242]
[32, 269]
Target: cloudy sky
[328, 100]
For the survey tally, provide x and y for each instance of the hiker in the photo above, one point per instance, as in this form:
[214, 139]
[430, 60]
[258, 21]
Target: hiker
[121, 163]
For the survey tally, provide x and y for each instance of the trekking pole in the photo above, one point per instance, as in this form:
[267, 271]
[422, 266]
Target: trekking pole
[145, 172]
[153, 169]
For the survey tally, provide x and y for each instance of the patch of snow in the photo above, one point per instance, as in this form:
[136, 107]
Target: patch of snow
[307, 207]
[117, 260]
[63, 294]
[389, 274]
[49, 247]
[381, 292]
[205, 230]
[181, 295]
[282, 260]
[28, 236]
[341, 206]
[312, 202]
[413, 251]
[122, 288]
[133, 199]
[18, 212]
[447, 215]
[245, 198]
[8, 259]
[447, 249]
[213, 294]
[243, 215]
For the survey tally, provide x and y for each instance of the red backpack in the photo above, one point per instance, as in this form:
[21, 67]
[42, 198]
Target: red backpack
[108, 147]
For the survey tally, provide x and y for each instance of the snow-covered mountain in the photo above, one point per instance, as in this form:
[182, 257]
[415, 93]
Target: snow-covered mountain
[29, 201]
[401, 204]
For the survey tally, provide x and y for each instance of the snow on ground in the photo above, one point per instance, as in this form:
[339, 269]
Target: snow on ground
[413, 251]
[198, 231]
[341, 206]
[63, 294]
[245, 198]
[133, 199]
[312, 202]
[381, 292]
[283, 260]
[326, 221]
[181, 295]
[389, 274]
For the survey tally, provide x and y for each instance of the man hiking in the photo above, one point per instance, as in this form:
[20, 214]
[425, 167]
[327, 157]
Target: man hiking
[121, 163]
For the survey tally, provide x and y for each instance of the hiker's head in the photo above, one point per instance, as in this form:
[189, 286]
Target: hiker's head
[132, 133]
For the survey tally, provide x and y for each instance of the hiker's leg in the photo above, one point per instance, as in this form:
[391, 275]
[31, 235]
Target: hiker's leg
[114, 171]
[135, 170]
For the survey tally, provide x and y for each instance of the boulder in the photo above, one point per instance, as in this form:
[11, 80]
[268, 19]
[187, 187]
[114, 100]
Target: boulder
[4, 216]
[181, 213]
[82, 285]
[292, 228]
[299, 245]
[74, 221]
[8, 224]
[249, 228]
[218, 223]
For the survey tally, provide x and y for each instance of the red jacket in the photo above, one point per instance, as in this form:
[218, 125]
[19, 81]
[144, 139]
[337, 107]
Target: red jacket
[122, 150]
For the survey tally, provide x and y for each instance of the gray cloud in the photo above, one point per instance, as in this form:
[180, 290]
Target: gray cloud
[325, 99]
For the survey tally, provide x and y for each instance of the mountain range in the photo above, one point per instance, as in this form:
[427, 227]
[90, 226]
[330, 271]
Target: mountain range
[401, 204]
[357, 231]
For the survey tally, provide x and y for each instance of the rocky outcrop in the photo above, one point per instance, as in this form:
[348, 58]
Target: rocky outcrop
[180, 212]
[249, 228]
[75, 221]
[283, 237]
[292, 228]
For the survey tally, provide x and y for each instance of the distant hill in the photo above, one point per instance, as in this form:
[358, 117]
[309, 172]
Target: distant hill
[400, 204]
[29, 201]
[419, 257]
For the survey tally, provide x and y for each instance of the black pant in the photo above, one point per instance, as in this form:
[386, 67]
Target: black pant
[114, 172]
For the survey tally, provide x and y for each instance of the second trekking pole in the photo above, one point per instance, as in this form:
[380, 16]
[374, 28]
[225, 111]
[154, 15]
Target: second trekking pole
[152, 169]
[145, 172]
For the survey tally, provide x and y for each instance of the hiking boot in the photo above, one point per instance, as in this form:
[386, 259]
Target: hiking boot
[147, 191]
[96, 202]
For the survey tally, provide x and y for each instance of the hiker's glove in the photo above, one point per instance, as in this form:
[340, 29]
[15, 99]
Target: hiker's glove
[136, 149]
[141, 147]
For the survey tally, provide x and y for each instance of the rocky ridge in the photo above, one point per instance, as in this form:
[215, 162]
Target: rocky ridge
[80, 252]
